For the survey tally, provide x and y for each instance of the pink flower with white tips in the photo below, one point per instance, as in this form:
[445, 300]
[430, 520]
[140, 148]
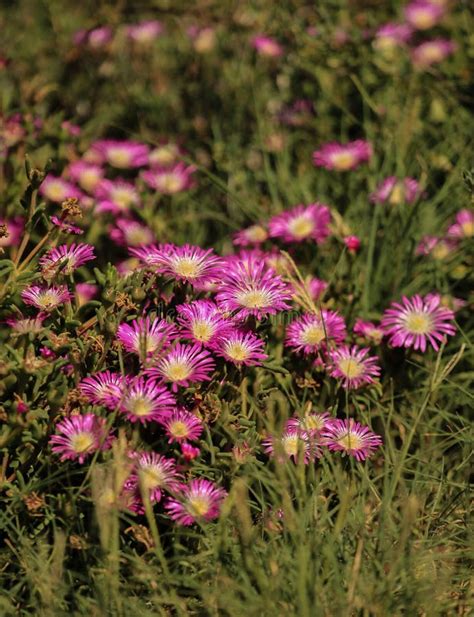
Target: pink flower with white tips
[58, 190]
[78, 437]
[202, 321]
[353, 366]
[120, 154]
[65, 259]
[131, 233]
[182, 365]
[369, 331]
[182, 425]
[293, 443]
[105, 388]
[46, 298]
[302, 223]
[396, 192]
[350, 437]
[311, 423]
[342, 157]
[190, 264]
[146, 337]
[241, 348]
[311, 332]
[170, 180]
[144, 400]
[418, 321]
[86, 175]
[152, 473]
[198, 501]
[116, 196]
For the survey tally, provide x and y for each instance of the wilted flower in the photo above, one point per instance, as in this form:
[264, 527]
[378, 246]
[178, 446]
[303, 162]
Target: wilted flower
[65, 227]
[26, 325]
[353, 366]
[78, 437]
[350, 437]
[342, 157]
[302, 223]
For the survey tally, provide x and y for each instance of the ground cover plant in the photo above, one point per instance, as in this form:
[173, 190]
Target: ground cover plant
[236, 308]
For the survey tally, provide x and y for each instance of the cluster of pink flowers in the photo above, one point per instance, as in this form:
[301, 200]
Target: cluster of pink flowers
[459, 231]
[100, 38]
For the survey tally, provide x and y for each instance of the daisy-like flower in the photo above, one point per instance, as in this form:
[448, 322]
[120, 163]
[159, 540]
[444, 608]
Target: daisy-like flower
[14, 231]
[190, 264]
[58, 190]
[241, 348]
[131, 233]
[418, 321]
[464, 225]
[267, 46]
[390, 36]
[437, 248]
[105, 388]
[99, 37]
[343, 157]
[423, 15]
[432, 52]
[145, 32]
[183, 365]
[151, 255]
[26, 325]
[78, 437]
[86, 175]
[165, 155]
[293, 443]
[311, 332]
[252, 236]
[46, 298]
[65, 259]
[353, 366]
[311, 423]
[202, 321]
[146, 337]
[116, 196]
[200, 500]
[396, 192]
[302, 223]
[251, 288]
[144, 400]
[369, 331]
[152, 473]
[182, 425]
[352, 438]
[120, 154]
[170, 180]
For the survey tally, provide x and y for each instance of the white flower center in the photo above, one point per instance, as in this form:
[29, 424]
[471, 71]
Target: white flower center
[81, 442]
[255, 298]
[119, 157]
[468, 228]
[237, 351]
[202, 330]
[301, 226]
[151, 477]
[291, 445]
[397, 195]
[187, 267]
[313, 334]
[171, 183]
[178, 428]
[177, 371]
[256, 233]
[123, 197]
[418, 323]
[198, 505]
[350, 441]
[140, 406]
[55, 191]
[89, 179]
[350, 367]
[48, 299]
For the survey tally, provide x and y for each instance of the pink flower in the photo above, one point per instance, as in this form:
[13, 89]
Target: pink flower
[58, 190]
[353, 366]
[85, 292]
[302, 223]
[293, 443]
[313, 287]
[165, 155]
[144, 400]
[72, 130]
[182, 365]
[116, 196]
[438, 248]
[131, 233]
[368, 330]
[390, 36]
[432, 52]
[311, 332]
[15, 227]
[267, 46]
[170, 180]
[120, 154]
[189, 452]
[86, 175]
[250, 288]
[146, 31]
[202, 321]
[417, 322]
[396, 192]
[46, 298]
[342, 157]
[464, 225]
[99, 37]
[353, 243]
[26, 325]
[78, 437]
[351, 438]
[311, 424]
[253, 235]
[423, 15]
[66, 228]
[190, 264]
[241, 348]
[153, 473]
[146, 337]
[65, 259]
[200, 500]
[181, 426]
[105, 388]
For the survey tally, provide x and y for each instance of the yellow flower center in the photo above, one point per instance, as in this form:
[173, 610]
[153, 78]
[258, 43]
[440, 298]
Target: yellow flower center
[165, 155]
[123, 197]
[422, 20]
[418, 323]
[430, 53]
[177, 371]
[342, 161]
[255, 298]
[187, 267]
[301, 226]
[198, 505]
[81, 442]
[312, 423]
[118, 157]
[141, 407]
[468, 228]
[397, 196]
[151, 477]
[257, 233]
[351, 368]
[313, 334]
[237, 351]
[47, 299]
[137, 235]
[350, 441]
[291, 445]
[89, 179]
[178, 428]
[171, 183]
[202, 330]
[55, 191]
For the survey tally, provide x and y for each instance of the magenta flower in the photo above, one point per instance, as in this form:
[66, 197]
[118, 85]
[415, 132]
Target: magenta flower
[86, 175]
[150, 255]
[432, 52]
[293, 443]
[78, 437]
[369, 331]
[99, 37]
[313, 287]
[351, 438]
[352, 243]
[390, 36]
[182, 365]
[241, 348]
[423, 15]
[464, 225]
[105, 388]
[146, 337]
[46, 298]
[250, 288]
[85, 292]
[267, 46]
[252, 236]
[417, 322]
[65, 227]
[26, 325]
[144, 400]
[190, 264]
[353, 366]
[342, 157]
[15, 228]
[302, 223]
[116, 196]
[165, 155]
[188, 451]
[200, 500]
[146, 31]
[131, 233]
[182, 425]
[58, 190]
[311, 424]
[170, 180]
[65, 259]
[311, 332]
[153, 473]
[120, 154]
[396, 192]
[202, 321]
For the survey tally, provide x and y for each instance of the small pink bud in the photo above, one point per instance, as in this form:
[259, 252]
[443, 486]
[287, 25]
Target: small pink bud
[352, 243]
[22, 407]
[188, 451]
